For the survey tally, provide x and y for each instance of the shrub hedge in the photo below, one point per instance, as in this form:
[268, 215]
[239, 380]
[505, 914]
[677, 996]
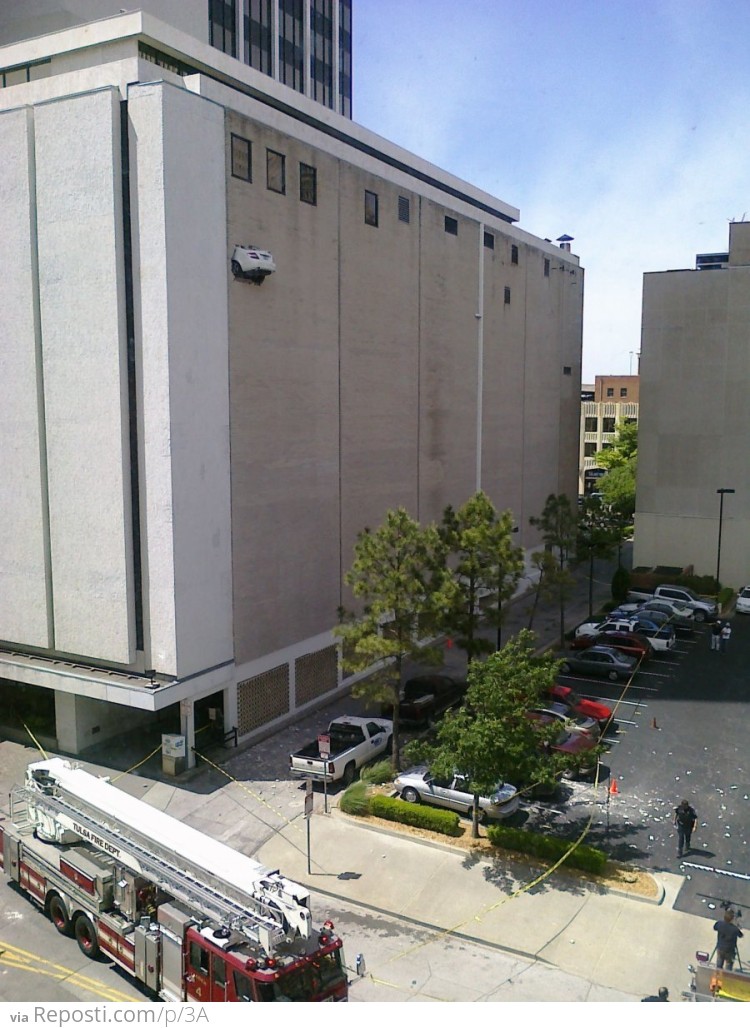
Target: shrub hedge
[586, 858]
[355, 800]
[377, 774]
[620, 584]
[444, 821]
[726, 595]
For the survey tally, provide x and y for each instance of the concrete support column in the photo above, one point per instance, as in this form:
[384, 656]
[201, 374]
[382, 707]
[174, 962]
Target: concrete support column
[187, 728]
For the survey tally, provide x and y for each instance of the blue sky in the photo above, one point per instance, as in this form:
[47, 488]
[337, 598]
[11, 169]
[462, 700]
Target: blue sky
[624, 124]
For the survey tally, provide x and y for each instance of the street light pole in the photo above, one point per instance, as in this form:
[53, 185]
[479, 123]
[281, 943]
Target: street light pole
[721, 493]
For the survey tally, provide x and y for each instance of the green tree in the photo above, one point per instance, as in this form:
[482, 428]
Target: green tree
[558, 525]
[597, 538]
[485, 565]
[623, 449]
[621, 461]
[544, 562]
[618, 489]
[490, 738]
[399, 576]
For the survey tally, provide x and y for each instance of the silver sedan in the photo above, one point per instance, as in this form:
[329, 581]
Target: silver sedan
[419, 785]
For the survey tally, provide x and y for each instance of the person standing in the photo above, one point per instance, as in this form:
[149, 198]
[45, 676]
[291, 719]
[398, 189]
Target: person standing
[727, 934]
[684, 821]
[726, 634]
[716, 635]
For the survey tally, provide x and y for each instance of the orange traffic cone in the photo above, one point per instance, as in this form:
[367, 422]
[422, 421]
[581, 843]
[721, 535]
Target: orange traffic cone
[613, 787]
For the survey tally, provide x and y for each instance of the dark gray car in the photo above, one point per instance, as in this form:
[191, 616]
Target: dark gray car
[602, 661]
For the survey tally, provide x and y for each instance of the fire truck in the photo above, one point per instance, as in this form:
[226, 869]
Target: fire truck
[713, 985]
[191, 918]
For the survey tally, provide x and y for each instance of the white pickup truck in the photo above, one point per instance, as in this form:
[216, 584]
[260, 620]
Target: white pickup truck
[703, 610]
[352, 742]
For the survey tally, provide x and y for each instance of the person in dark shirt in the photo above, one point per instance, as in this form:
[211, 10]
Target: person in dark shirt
[727, 934]
[661, 997]
[684, 821]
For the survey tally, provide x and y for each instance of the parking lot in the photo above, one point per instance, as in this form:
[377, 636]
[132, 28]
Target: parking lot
[680, 734]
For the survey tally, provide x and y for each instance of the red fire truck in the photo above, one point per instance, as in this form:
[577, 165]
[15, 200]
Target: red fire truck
[191, 918]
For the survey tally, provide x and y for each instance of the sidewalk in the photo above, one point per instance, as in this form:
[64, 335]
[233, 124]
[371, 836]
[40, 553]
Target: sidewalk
[613, 940]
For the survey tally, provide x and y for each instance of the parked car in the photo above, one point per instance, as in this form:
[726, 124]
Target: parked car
[352, 742]
[603, 661]
[580, 705]
[673, 612]
[743, 600]
[661, 636]
[626, 642]
[577, 745]
[419, 785]
[425, 697]
[252, 262]
[704, 609]
[569, 719]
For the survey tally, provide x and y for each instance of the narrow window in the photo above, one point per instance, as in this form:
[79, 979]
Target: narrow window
[514, 254]
[623, 391]
[242, 158]
[371, 208]
[489, 240]
[403, 209]
[507, 294]
[546, 267]
[451, 226]
[610, 391]
[276, 171]
[308, 184]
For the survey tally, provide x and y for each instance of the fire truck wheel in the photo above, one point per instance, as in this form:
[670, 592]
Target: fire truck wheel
[86, 936]
[59, 915]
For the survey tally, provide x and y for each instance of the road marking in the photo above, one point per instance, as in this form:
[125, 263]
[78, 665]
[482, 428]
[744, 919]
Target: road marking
[715, 870]
[24, 960]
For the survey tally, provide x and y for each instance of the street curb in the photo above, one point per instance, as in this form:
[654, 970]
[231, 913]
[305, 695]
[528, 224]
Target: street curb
[448, 848]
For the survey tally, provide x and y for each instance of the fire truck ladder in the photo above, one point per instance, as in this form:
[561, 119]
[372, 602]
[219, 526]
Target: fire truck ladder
[266, 924]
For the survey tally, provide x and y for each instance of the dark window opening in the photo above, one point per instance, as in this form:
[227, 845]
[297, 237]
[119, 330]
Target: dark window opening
[275, 171]
[308, 184]
[610, 392]
[257, 32]
[591, 425]
[221, 25]
[608, 424]
[546, 267]
[451, 226]
[567, 370]
[624, 391]
[506, 294]
[242, 158]
[514, 254]
[589, 449]
[371, 208]
[489, 240]
[403, 209]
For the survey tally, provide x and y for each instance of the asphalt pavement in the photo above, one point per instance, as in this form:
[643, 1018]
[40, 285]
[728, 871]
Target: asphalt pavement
[617, 946]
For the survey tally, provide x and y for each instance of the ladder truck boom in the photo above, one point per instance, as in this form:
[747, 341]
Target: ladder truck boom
[66, 803]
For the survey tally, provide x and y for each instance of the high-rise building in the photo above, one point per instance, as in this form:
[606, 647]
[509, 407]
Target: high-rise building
[188, 456]
[305, 44]
[693, 489]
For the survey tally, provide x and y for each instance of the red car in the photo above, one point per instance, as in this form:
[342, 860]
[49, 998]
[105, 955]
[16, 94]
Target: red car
[588, 708]
[636, 646]
[573, 744]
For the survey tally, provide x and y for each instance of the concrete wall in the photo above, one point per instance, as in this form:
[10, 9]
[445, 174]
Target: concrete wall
[694, 422]
[22, 20]
[354, 378]
[180, 265]
[25, 594]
